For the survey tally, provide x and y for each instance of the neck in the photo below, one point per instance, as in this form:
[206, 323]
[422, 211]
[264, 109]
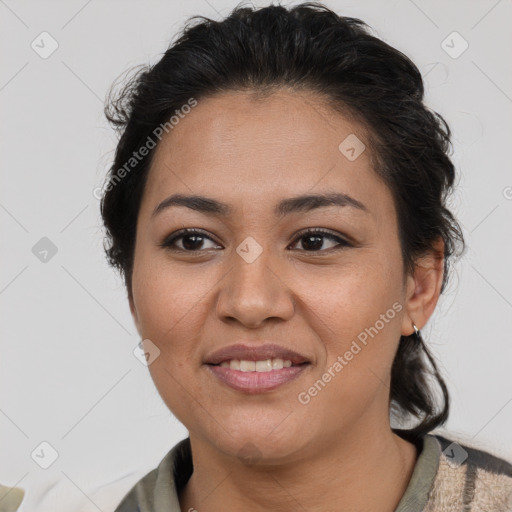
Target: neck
[369, 469]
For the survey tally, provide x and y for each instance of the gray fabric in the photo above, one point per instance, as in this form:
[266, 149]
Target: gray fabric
[415, 497]
[157, 491]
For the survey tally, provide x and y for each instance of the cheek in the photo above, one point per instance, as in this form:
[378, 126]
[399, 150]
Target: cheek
[359, 321]
[172, 305]
[352, 297]
[170, 312]
[170, 300]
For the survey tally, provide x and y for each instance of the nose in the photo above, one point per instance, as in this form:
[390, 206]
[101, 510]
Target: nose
[255, 291]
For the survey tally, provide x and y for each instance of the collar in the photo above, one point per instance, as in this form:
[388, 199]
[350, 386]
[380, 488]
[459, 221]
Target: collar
[158, 490]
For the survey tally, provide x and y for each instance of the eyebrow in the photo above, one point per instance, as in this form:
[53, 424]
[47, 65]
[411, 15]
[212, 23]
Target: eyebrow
[304, 203]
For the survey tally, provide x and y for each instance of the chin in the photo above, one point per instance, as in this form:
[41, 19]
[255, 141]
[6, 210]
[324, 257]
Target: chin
[259, 444]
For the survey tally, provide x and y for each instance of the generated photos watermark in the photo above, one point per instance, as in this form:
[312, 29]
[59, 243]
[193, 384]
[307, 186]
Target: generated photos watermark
[144, 150]
[304, 397]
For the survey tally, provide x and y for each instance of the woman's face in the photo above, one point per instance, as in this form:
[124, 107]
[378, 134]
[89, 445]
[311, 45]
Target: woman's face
[252, 277]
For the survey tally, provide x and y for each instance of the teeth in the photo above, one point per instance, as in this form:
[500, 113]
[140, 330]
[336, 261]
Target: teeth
[277, 364]
[265, 365]
[247, 366]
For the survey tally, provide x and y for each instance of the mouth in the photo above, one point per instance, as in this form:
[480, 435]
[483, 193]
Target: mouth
[256, 369]
[241, 376]
[261, 366]
[261, 354]
[254, 381]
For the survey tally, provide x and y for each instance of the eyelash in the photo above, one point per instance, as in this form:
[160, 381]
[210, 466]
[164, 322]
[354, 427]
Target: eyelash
[170, 240]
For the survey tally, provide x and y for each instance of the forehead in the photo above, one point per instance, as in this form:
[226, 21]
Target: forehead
[287, 123]
[239, 146]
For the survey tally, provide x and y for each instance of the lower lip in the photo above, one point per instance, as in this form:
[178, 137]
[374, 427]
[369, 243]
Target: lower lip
[256, 382]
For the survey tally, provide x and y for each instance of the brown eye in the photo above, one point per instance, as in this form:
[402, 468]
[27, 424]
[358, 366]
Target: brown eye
[313, 240]
[192, 240]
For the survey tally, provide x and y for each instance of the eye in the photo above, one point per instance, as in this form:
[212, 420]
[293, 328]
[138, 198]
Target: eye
[313, 240]
[191, 240]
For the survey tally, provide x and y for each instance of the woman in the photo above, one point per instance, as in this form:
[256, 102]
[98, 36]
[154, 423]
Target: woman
[277, 209]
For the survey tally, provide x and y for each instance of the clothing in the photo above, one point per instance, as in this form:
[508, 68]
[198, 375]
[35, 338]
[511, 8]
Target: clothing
[447, 477]
[10, 498]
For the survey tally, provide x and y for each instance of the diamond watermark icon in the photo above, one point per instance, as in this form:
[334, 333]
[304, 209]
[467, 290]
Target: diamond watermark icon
[44, 250]
[455, 454]
[44, 45]
[351, 147]
[146, 352]
[249, 453]
[249, 249]
[44, 455]
[454, 45]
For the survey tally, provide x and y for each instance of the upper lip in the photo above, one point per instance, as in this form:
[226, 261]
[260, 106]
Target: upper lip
[255, 353]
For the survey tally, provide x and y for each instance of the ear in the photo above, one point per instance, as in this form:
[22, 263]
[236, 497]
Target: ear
[423, 289]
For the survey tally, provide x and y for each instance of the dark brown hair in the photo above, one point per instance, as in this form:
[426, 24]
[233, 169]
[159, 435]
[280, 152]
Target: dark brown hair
[306, 47]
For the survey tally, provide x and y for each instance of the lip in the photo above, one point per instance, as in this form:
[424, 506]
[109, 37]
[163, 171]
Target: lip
[256, 382]
[255, 353]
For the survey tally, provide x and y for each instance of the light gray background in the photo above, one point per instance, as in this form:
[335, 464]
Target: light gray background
[68, 373]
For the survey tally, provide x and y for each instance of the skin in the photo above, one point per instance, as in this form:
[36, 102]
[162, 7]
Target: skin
[251, 153]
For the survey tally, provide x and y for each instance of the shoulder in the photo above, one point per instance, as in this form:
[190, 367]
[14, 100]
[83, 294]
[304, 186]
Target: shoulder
[157, 491]
[469, 478]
